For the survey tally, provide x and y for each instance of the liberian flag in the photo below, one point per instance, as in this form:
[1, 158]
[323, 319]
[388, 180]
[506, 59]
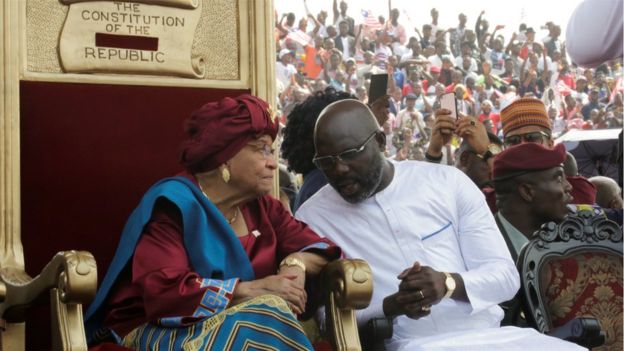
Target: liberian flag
[370, 20]
[299, 37]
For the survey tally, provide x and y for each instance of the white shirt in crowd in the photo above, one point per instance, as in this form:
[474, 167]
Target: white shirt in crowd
[283, 73]
[497, 61]
[346, 49]
[435, 215]
[540, 64]
[435, 61]
[409, 55]
[459, 62]
[404, 119]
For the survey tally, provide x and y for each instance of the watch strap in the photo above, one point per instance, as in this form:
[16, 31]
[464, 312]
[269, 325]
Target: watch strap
[486, 155]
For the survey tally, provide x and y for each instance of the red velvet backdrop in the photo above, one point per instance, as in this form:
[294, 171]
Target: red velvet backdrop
[88, 152]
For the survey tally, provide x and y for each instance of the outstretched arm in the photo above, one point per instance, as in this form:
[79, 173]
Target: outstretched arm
[510, 44]
[317, 24]
[281, 28]
[493, 36]
[478, 25]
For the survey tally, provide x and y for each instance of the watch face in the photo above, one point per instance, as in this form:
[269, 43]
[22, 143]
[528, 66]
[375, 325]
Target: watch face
[449, 282]
[494, 149]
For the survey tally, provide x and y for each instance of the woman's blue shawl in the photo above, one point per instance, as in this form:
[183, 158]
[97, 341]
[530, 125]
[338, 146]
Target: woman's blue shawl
[211, 245]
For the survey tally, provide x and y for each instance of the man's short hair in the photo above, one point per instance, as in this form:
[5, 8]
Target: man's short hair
[607, 190]
[298, 144]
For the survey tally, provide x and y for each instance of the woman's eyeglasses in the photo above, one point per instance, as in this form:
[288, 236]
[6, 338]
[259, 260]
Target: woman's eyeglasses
[327, 162]
[265, 149]
[533, 137]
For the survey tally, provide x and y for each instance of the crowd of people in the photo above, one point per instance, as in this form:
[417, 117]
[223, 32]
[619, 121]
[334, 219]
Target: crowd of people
[513, 99]
[485, 70]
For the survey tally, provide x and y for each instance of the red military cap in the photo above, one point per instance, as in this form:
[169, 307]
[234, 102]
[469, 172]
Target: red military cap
[527, 157]
[219, 130]
[583, 191]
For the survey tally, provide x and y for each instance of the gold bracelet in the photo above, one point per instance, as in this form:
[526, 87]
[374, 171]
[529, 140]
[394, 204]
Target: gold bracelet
[292, 262]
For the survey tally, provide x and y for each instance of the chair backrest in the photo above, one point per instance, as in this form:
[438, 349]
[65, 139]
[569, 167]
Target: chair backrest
[78, 193]
[574, 269]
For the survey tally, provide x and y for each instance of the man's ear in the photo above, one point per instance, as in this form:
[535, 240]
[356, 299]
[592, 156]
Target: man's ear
[616, 202]
[381, 141]
[463, 159]
[526, 192]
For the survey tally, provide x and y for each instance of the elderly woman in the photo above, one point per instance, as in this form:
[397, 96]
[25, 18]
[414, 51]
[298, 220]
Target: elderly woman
[208, 260]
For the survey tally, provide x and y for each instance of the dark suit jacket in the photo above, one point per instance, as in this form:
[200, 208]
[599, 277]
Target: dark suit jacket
[338, 42]
[351, 23]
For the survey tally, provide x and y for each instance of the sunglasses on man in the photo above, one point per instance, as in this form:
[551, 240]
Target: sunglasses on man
[327, 162]
[533, 137]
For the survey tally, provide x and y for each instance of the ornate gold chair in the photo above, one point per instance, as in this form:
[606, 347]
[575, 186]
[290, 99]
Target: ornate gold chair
[83, 135]
[571, 277]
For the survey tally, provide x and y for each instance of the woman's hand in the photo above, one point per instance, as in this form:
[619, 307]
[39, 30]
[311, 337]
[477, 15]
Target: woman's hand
[287, 286]
[293, 271]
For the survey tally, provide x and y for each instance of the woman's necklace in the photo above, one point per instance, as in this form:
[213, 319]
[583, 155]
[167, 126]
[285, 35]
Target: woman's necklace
[236, 210]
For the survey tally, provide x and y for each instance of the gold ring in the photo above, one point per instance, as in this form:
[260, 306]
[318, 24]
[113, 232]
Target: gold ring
[473, 123]
[426, 308]
[422, 295]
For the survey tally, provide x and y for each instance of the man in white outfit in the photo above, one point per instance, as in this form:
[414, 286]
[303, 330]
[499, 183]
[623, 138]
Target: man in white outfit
[440, 265]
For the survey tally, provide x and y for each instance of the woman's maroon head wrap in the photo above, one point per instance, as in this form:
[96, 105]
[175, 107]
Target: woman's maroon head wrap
[219, 130]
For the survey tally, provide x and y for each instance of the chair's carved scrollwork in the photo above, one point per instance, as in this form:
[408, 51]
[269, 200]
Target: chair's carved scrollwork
[584, 226]
[349, 286]
[71, 279]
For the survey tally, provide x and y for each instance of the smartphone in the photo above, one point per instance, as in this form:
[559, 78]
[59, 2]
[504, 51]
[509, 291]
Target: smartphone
[448, 102]
[378, 87]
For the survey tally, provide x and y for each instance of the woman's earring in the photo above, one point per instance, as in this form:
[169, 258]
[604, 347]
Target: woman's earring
[225, 174]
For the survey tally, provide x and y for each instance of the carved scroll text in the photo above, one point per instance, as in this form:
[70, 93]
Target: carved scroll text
[128, 37]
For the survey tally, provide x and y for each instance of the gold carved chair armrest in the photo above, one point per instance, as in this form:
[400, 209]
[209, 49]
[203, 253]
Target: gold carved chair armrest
[71, 279]
[347, 286]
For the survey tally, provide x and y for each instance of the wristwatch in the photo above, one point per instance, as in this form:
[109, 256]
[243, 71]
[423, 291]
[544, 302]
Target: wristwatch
[491, 151]
[450, 285]
[291, 262]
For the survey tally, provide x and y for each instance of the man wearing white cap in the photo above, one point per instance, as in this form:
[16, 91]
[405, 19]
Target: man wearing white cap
[284, 70]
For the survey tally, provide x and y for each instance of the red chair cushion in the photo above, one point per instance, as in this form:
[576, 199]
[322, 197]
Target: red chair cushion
[88, 153]
[586, 285]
